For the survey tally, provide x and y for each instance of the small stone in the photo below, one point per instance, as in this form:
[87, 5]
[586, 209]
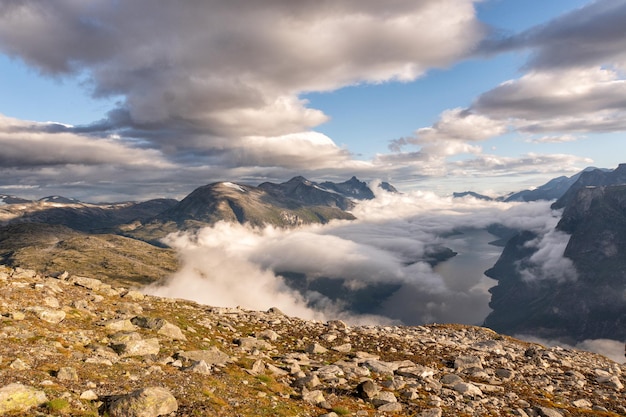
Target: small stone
[346, 347]
[119, 325]
[67, 374]
[16, 315]
[51, 302]
[146, 402]
[467, 389]
[200, 368]
[258, 367]
[433, 412]
[212, 356]
[462, 363]
[89, 395]
[163, 327]
[270, 335]
[611, 381]
[309, 381]
[384, 397]
[548, 412]
[251, 343]
[367, 390]
[48, 315]
[19, 365]
[315, 348]
[138, 347]
[134, 295]
[582, 403]
[391, 407]
[315, 397]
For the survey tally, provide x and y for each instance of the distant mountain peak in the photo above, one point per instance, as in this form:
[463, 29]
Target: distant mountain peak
[59, 199]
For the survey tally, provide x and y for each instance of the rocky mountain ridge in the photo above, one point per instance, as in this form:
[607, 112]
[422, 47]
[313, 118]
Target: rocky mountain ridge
[590, 305]
[289, 204]
[74, 345]
[592, 178]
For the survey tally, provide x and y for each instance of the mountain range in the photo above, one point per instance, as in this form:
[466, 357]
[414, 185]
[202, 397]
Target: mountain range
[552, 190]
[590, 305]
[55, 234]
[41, 234]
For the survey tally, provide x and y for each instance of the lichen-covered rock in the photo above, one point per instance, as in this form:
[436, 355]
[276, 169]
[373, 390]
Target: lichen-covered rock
[146, 402]
[133, 346]
[315, 397]
[89, 283]
[48, 314]
[18, 397]
[163, 327]
[212, 356]
[134, 295]
[119, 325]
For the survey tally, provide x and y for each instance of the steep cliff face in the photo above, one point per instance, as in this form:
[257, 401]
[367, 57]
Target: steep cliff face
[592, 178]
[591, 306]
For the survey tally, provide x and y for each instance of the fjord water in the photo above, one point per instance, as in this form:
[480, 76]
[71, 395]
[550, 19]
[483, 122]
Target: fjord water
[465, 271]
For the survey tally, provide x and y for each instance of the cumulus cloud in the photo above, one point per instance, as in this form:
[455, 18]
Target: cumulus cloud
[540, 95]
[376, 269]
[573, 84]
[587, 36]
[236, 69]
[548, 262]
[27, 144]
[216, 87]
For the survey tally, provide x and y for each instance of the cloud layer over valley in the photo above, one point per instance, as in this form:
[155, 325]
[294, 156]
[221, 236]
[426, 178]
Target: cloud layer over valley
[380, 264]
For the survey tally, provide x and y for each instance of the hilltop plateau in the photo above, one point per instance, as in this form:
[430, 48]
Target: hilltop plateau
[75, 345]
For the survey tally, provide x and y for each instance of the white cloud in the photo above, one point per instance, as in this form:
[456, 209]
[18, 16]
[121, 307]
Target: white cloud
[549, 262]
[384, 252]
[459, 125]
[554, 139]
[545, 95]
[237, 68]
[27, 144]
[493, 165]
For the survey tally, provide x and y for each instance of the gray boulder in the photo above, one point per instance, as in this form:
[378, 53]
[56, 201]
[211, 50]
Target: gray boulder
[146, 402]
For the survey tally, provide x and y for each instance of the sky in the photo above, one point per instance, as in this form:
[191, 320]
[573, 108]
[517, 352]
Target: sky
[110, 101]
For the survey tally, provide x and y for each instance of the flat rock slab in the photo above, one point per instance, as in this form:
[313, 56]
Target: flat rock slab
[18, 397]
[212, 356]
[146, 402]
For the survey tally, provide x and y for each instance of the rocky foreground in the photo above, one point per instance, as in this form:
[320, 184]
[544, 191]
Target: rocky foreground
[74, 345]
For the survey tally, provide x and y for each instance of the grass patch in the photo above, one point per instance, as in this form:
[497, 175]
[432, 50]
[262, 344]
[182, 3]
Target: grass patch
[342, 411]
[58, 404]
[265, 378]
